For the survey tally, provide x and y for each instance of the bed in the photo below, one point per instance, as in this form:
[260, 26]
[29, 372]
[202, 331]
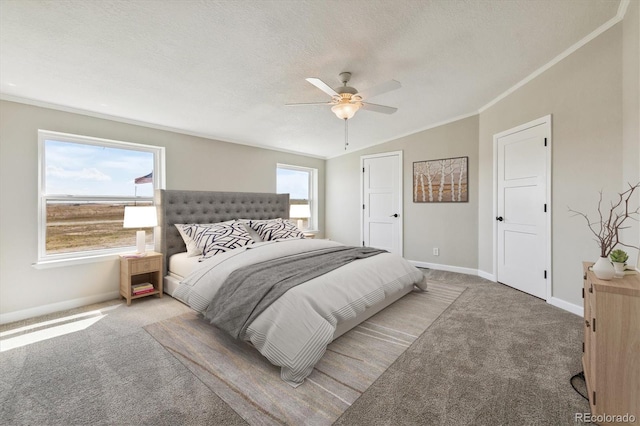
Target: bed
[293, 330]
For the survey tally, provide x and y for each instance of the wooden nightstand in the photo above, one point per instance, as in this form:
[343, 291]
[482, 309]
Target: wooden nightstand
[309, 235]
[140, 270]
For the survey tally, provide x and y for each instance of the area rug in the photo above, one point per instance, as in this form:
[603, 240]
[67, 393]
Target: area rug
[246, 381]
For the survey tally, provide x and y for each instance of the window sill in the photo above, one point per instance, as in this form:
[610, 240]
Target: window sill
[58, 263]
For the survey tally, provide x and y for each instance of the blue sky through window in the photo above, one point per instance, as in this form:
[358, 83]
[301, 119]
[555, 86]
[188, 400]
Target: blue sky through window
[83, 169]
[293, 182]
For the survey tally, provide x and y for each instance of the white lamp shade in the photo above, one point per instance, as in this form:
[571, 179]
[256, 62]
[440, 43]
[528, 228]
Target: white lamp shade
[140, 217]
[299, 211]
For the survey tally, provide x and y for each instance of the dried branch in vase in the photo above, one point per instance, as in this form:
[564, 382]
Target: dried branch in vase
[607, 229]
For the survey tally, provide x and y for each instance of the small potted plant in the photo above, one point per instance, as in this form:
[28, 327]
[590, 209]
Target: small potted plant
[619, 259]
[607, 229]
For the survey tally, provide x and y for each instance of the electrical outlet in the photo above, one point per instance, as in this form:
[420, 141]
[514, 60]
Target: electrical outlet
[436, 251]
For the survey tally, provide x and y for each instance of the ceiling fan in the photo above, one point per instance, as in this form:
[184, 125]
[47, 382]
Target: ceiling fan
[347, 100]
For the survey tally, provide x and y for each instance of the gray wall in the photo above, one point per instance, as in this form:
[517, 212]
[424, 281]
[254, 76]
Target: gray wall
[631, 104]
[592, 95]
[191, 163]
[452, 227]
[583, 93]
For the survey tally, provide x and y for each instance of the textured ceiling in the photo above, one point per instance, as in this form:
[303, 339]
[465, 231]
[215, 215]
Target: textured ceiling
[225, 69]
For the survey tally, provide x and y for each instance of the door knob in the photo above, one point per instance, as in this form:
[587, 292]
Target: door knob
[394, 215]
[499, 218]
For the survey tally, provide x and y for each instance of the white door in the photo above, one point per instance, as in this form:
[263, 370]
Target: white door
[382, 201]
[523, 209]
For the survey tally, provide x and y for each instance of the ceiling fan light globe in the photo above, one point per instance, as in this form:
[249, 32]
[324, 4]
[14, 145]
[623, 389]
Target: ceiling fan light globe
[345, 111]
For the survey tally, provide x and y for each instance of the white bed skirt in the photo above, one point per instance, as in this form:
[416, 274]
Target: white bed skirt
[171, 283]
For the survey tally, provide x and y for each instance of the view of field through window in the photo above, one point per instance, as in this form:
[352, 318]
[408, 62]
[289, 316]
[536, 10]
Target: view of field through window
[296, 183]
[86, 187]
[75, 227]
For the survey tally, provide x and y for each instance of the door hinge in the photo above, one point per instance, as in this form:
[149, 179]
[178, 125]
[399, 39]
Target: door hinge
[583, 292]
[594, 397]
[363, 207]
[545, 141]
[593, 327]
[363, 244]
[545, 274]
[545, 207]
[363, 170]
[583, 347]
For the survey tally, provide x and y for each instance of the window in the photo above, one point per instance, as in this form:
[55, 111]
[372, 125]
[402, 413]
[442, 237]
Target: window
[84, 185]
[301, 184]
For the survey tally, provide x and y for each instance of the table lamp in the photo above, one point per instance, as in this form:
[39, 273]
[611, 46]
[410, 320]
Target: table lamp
[140, 217]
[300, 212]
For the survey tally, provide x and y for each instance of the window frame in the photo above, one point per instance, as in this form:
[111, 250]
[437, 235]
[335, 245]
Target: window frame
[84, 255]
[313, 191]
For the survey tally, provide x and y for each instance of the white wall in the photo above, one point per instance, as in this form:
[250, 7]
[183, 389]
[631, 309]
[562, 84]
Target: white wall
[192, 163]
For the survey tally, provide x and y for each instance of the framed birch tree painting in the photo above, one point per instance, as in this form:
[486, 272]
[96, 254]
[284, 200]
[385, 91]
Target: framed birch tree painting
[441, 181]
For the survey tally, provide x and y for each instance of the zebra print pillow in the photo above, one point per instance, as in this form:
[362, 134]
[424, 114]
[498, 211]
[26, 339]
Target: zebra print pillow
[186, 232]
[218, 238]
[275, 229]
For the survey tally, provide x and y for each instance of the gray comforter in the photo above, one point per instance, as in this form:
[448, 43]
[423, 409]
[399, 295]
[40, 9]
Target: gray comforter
[248, 291]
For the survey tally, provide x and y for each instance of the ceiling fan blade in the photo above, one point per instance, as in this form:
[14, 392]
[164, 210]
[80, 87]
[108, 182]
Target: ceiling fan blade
[380, 89]
[379, 108]
[322, 86]
[310, 103]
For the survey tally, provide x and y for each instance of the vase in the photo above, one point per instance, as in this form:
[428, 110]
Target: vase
[618, 268]
[603, 269]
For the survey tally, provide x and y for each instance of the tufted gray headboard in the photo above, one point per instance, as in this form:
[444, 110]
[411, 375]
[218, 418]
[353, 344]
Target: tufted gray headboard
[178, 206]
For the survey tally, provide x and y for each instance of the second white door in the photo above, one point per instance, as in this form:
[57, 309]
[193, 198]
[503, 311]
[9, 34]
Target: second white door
[382, 201]
[522, 207]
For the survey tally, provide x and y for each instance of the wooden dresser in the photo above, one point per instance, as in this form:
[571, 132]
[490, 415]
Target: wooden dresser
[611, 357]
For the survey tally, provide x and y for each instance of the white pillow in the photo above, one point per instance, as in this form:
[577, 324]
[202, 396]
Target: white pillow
[254, 235]
[212, 240]
[192, 248]
[276, 229]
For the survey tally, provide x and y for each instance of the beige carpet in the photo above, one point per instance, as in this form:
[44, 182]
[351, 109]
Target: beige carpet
[246, 381]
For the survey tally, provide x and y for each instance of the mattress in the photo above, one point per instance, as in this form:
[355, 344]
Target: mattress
[180, 266]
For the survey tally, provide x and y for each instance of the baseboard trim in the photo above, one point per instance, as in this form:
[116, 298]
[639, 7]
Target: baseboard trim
[558, 303]
[83, 301]
[440, 267]
[56, 307]
[487, 276]
[569, 307]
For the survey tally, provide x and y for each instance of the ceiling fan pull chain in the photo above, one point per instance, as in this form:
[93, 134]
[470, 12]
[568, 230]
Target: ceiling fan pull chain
[346, 134]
